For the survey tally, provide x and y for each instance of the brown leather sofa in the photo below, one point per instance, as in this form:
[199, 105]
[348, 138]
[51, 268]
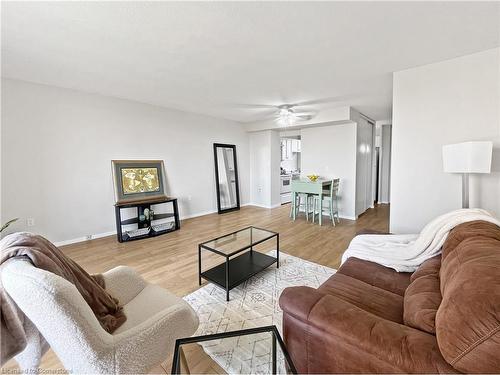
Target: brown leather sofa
[443, 318]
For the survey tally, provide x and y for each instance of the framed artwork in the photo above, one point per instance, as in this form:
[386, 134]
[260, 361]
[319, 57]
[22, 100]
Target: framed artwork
[138, 180]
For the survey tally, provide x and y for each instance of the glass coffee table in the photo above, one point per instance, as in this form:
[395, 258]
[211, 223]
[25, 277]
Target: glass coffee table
[258, 350]
[241, 260]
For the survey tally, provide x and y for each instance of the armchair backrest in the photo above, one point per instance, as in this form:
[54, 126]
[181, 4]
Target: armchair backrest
[59, 312]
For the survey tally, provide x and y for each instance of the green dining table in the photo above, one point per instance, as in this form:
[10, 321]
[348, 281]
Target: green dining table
[306, 186]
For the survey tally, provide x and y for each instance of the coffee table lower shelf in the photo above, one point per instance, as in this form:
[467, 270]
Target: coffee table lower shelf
[241, 268]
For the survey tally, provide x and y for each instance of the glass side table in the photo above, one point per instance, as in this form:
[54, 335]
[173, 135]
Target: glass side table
[258, 350]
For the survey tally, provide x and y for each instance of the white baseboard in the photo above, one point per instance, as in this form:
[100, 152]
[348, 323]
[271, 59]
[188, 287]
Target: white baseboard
[263, 206]
[83, 239]
[348, 217]
[209, 212]
[203, 213]
[343, 217]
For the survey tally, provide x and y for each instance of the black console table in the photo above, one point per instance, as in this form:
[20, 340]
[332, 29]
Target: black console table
[146, 218]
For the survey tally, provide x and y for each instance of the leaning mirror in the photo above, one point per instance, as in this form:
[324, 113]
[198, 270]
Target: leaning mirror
[226, 178]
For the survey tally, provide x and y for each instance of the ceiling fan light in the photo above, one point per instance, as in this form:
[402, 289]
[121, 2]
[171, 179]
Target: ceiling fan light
[287, 117]
[284, 112]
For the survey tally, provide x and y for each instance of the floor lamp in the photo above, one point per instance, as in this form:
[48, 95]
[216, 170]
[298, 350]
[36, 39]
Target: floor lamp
[466, 158]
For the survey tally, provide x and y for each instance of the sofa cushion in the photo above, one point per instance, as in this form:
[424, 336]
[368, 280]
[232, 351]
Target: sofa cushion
[376, 275]
[423, 296]
[374, 300]
[468, 319]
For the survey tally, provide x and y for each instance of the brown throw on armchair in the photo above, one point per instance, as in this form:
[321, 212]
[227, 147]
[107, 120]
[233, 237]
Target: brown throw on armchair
[443, 318]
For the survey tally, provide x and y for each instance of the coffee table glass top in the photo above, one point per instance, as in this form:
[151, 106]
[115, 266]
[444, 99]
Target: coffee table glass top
[249, 351]
[235, 242]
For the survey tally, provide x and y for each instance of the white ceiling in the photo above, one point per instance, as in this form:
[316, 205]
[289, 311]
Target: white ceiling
[213, 57]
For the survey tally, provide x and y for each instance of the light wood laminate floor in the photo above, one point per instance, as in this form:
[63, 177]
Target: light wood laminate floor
[172, 260]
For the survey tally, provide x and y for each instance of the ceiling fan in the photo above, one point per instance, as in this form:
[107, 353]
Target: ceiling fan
[284, 114]
[289, 114]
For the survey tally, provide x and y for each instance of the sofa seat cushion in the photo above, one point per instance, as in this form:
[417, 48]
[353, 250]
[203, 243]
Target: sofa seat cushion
[423, 296]
[468, 319]
[372, 299]
[376, 275]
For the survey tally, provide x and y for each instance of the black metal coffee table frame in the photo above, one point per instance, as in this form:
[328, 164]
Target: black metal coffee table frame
[235, 271]
[176, 368]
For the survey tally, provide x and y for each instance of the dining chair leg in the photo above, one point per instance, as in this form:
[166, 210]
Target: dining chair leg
[293, 205]
[314, 210]
[319, 207]
[332, 217]
[313, 203]
[337, 210]
[308, 207]
[320, 211]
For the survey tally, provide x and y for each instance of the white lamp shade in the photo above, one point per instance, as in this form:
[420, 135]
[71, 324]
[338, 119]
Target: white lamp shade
[468, 157]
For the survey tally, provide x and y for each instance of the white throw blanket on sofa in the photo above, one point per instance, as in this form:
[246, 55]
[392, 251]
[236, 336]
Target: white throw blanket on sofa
[405, 253]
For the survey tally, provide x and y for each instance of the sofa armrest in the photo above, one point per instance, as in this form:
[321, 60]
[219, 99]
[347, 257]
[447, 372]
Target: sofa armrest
[341, 337]
[298, 301]
[123, 283]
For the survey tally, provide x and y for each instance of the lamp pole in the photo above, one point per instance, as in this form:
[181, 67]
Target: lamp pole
[467, 158]
[465, 190]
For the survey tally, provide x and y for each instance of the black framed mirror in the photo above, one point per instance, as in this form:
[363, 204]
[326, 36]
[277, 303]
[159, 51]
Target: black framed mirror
[226, 178]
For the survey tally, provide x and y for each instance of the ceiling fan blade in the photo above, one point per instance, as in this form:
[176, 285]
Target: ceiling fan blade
[305, 117]
[256, 106]
[308, 113]
[331, 99]
[264, 114]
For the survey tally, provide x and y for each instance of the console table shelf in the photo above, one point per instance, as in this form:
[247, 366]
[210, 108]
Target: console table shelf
[143, 219]
[155, 217]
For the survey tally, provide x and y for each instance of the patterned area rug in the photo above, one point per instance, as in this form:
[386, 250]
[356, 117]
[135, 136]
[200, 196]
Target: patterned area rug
[252, 304]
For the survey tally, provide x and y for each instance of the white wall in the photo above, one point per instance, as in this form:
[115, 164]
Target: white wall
[265, 156]
[448, 102]
[330, 151]
[57, 147]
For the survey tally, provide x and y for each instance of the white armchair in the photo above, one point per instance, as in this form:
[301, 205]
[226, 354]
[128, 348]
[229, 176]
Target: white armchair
[155, 319]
